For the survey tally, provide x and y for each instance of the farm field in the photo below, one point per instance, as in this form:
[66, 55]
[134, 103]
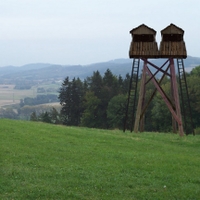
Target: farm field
[9, 95]
[44, 161]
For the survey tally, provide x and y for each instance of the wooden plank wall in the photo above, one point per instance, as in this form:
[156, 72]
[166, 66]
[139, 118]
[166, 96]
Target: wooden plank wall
[143, 49]
[150, 50]
[172, 49]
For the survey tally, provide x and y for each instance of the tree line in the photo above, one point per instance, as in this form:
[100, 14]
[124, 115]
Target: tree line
[100, 102]
[39, 99]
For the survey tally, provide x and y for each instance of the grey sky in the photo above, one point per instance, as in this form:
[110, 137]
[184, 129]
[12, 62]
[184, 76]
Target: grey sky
[87, 31]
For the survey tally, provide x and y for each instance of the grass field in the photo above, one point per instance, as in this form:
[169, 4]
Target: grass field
[43, 161]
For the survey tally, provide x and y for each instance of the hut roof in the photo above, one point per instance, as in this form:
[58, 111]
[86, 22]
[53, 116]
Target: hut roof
[172, 29]
[143, 29]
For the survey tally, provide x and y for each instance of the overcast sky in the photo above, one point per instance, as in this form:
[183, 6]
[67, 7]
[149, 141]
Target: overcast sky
[87, 31]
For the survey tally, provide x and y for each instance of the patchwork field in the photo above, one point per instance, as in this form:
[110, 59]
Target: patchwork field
[44, 161]
[9, 95]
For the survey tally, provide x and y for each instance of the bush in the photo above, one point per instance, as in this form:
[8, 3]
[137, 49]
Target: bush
[197, 131]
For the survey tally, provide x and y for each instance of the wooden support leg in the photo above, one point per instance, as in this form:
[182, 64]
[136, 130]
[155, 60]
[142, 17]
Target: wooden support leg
[174, 124]
[142, 116]
[142, 123]
[140, 100]
[176, 97]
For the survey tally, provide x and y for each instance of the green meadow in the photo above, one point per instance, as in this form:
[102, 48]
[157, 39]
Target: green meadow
[44, 161]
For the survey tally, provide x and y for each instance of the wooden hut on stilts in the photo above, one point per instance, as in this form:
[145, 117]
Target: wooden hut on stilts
[144, 47]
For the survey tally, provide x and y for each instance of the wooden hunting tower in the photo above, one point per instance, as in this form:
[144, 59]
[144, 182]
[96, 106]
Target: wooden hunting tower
[143, 47]
[172, 44]
[143, 42]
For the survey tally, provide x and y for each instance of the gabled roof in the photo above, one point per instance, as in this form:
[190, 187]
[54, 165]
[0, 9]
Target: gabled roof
[142, 29]
[172, 29]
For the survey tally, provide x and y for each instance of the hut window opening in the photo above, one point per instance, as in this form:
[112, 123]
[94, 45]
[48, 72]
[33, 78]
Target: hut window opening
[172, 37]
[143, 38]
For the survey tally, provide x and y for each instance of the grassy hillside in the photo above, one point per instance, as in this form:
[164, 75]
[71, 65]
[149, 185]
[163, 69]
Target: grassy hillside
[43, 161]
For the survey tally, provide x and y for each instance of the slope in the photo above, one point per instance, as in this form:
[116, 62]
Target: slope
[42, 161]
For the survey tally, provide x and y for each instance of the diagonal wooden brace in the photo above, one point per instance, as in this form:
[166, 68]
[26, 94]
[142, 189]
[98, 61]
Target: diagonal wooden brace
[153, 94]
[165, 98]
[159, 69]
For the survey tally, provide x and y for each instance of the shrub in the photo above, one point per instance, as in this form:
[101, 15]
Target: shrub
[197, 131]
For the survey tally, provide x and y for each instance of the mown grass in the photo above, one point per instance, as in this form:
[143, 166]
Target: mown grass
[43, 161]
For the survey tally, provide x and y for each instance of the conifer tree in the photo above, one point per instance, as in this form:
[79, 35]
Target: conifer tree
[71, 97]
[33, 116]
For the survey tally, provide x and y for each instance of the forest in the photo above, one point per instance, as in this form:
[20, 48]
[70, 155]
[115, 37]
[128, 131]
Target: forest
[100, 102]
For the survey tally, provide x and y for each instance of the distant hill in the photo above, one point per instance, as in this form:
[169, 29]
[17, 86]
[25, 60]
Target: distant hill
[42, 71]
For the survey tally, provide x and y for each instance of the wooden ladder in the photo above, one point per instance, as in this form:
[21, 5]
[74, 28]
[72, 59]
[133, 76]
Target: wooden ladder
[132, 96]
[185, 101]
